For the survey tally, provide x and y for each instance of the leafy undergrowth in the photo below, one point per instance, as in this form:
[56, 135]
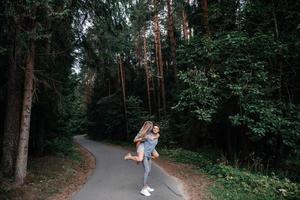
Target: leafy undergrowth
[231, 183]
[46, 176]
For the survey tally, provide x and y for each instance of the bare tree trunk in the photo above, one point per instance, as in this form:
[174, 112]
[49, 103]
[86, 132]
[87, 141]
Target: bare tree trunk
[185, 25]
[147, 70]
[158, 66]
[13, 110]
[138, 50]
[152, 87]
[275, 19]
[159, 61]
[89, 80]
[108, 85]
[22, 156]
[204, 5]
[122, 80]
[278, 59]
[172, 38]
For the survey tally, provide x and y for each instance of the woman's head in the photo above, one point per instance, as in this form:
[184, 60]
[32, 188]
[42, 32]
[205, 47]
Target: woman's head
[147, 126]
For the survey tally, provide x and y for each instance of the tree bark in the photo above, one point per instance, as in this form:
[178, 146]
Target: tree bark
[185, 25]
[138, 50]
[147, 71]
[122, 80]
[22, 156]
[90, 76]
[159, 61]
[158, 91]
[13, 110]
[172, 38]
[204, 5]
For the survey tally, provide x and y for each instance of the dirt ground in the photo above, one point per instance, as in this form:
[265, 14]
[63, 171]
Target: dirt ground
[77, 181]
[50, 178]
[195, 185]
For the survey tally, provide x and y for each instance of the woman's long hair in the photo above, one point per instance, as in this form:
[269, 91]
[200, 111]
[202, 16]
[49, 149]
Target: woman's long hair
[148, 125]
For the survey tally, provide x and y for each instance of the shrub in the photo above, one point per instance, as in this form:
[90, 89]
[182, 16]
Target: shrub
[61, 145]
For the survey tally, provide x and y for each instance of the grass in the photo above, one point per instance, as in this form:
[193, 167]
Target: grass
[233, 183]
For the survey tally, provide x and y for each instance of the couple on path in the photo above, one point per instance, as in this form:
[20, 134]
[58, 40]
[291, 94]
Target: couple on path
[146, 141]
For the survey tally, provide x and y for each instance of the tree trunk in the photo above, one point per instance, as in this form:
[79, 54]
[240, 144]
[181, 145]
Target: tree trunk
[228, 142]
[147, 70]
[159, 61]
[204, 15]
[158, 91]
[278, 58]
[122, 80]
[172, 38]
[13, 110]
[89, 79]
[185, 25]
[138, 51]
[22, 156]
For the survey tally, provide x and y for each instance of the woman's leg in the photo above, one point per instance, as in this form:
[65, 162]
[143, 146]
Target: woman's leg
[138, 158]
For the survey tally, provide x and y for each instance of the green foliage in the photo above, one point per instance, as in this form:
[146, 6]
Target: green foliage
[110, 117]
[61, 145]
[201, 158]
[2, 50]
[200, 95]
[240, 75]
[105, 118]
[235, 183]
[71, 116]
[136, 115]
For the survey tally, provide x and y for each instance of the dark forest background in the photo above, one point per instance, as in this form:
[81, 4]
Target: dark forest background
[220, 75]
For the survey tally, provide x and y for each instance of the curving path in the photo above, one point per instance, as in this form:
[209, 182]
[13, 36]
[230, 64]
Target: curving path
[116, 179]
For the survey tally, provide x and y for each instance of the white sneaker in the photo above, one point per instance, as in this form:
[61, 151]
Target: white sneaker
[145, 192]
[150, 189]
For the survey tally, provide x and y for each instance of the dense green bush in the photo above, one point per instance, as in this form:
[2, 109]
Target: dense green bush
[231, 76]
[106, 118]
[61, 145]
[235, 183]
[231, 183]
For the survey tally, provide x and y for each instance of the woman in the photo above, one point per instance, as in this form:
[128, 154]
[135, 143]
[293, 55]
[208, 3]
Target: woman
[139, 140]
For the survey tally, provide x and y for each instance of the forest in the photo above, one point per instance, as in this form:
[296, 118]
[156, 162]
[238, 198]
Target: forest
[219, 76]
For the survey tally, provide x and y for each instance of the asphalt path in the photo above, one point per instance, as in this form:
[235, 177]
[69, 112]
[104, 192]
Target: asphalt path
[117, 179]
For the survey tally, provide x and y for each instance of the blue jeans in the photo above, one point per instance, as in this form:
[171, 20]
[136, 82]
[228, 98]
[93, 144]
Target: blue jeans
[147, 168]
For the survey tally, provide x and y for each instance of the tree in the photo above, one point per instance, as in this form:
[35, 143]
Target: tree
[13, 102]
[171, 34]
[204, 7]
[22, 156]
[123, 87]
[147, 71]
[159, 61]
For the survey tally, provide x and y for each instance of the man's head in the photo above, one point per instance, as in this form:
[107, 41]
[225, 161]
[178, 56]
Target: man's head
[155, 129]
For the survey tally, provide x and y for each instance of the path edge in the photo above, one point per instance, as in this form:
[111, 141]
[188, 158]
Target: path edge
[68, 192]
